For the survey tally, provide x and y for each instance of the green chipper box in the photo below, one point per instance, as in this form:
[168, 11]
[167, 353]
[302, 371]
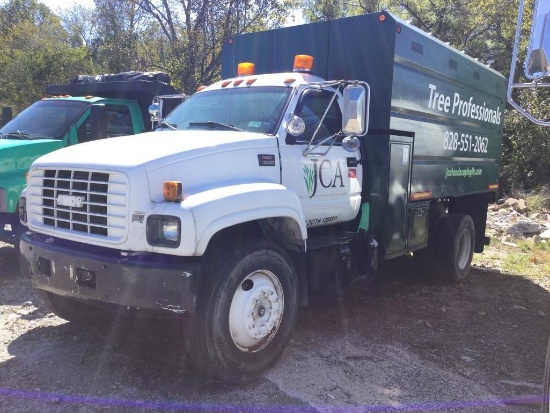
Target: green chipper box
[433, 150]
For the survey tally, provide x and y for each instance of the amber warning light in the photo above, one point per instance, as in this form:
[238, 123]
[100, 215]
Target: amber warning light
[245, 69]
[303, 63]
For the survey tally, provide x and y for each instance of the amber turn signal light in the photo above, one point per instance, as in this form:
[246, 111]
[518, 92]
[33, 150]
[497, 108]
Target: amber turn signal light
[173, 191]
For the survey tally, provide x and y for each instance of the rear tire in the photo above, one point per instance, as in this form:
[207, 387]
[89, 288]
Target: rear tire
[246, 310]
[455, 246]
[71, 310]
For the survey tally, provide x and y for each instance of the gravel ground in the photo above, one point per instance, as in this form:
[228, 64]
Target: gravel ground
[401, 344]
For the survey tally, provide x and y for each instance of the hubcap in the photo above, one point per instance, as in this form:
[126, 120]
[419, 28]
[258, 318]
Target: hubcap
[256, 311]
[464, 249]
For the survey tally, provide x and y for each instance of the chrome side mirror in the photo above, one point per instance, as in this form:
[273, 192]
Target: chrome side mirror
[154, 111]
[537, 63]
[355, 109]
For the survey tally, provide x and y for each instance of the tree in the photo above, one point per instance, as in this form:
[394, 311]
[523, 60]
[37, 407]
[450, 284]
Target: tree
[118, 29]
[80, 24]
[482, 29]
[34, 52]
[319, 10]
[526, 149]
[194, 32]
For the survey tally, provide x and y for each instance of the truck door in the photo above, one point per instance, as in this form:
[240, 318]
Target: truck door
[119, 123]
[328, 184]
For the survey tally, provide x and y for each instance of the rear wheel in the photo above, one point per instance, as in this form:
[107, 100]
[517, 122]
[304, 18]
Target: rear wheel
[455, 246]
[245, 313]
[69, 309]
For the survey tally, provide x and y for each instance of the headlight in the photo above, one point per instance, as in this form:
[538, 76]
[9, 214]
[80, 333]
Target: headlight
[23, 210]
[163, 231]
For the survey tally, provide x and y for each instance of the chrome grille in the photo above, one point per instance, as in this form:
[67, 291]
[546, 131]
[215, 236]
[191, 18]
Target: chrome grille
[86, 202]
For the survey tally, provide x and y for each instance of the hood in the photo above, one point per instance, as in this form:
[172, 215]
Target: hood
[17, 154]
[154, 149]
[199, 159]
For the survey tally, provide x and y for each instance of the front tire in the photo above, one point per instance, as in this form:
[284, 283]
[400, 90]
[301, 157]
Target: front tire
[245, 314]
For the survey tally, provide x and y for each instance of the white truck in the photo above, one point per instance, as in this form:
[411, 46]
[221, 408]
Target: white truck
[264, 186]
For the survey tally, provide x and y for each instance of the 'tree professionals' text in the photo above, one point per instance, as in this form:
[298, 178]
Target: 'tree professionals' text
[466, 108]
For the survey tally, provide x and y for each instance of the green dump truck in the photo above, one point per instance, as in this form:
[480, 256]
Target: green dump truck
[64, 120]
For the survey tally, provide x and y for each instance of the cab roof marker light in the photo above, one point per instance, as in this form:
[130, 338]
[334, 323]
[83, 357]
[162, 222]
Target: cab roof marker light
[237, 82]
[289, 80]
[227, 82]
[303, 63]
[245, 69]
[250, 81]
[201, 88]
[173, 191]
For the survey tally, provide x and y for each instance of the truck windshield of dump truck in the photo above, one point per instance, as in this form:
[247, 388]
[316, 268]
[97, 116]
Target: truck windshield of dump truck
[44, 119]
[252, 109]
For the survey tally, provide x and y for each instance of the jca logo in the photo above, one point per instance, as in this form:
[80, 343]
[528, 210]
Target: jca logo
[325, 174]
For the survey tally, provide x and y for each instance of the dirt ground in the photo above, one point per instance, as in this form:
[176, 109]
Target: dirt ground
[401, 344]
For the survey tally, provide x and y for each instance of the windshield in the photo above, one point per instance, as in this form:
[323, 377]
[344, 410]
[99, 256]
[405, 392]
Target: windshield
[44, 119]
[256, 109]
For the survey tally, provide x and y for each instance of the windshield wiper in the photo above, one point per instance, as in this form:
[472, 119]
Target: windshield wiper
[213, 125]
[172, 126]
[20, 135]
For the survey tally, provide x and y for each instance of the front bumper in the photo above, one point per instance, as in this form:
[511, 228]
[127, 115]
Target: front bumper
[107, 276]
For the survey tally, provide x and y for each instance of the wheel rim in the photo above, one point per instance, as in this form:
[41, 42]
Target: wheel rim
[256, 311]
[464, 249]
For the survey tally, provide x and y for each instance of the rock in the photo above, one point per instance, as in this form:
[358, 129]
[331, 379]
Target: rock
[525, 227]
[518, 205]
[545, 235]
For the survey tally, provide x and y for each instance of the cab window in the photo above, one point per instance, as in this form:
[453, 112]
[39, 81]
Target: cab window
[313, 105]
[119, 123]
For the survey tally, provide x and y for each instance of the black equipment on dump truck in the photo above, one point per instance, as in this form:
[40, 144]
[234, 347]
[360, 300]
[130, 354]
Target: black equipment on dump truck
[435, 124]
[141, 87]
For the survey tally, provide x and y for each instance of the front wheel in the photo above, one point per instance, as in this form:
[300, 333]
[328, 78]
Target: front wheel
[246, 311]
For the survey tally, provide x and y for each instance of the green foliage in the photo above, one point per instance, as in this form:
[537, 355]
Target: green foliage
[193, 33]
[320, 10]
[34, 52]
[526, 146]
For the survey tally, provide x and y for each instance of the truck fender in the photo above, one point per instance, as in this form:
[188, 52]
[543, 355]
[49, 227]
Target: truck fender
[220, 208]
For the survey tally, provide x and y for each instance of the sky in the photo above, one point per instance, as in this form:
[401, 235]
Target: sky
[56, 5]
